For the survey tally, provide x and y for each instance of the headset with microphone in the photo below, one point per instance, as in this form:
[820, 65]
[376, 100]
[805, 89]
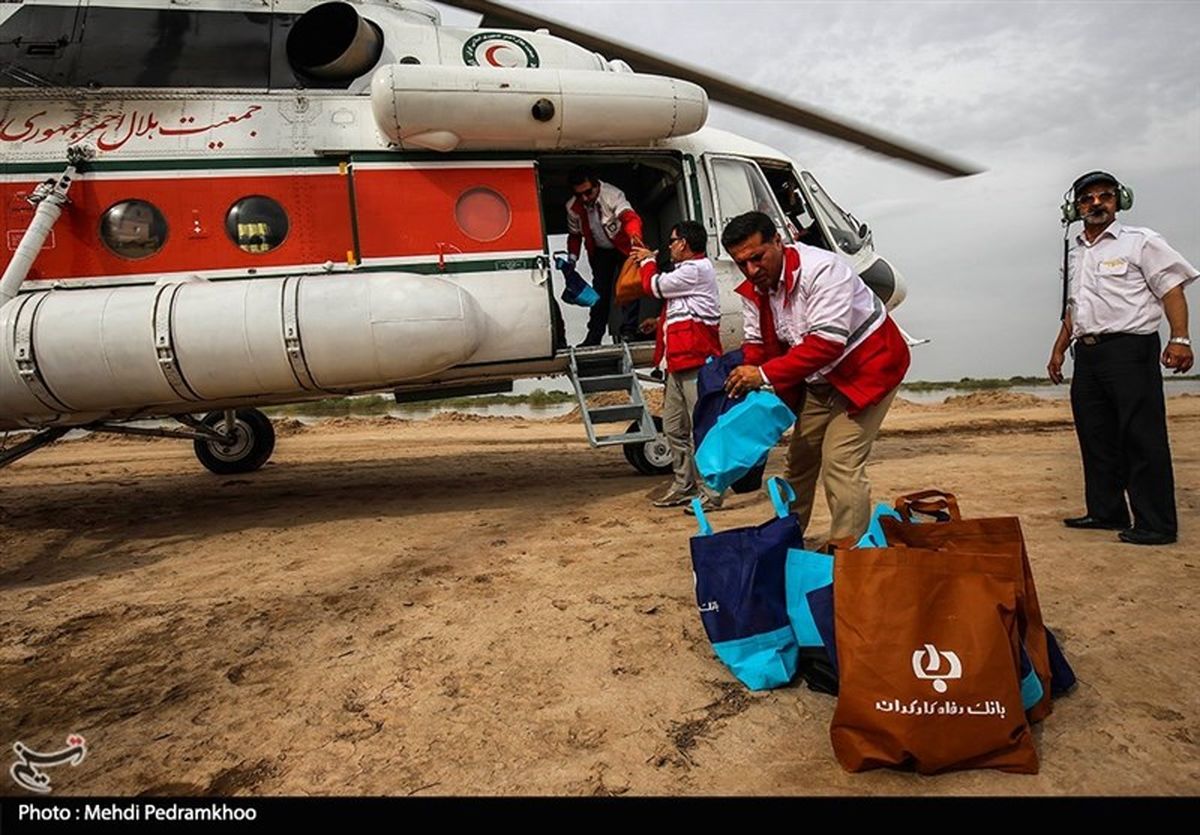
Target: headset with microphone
[1070, 204]
[1070, 214]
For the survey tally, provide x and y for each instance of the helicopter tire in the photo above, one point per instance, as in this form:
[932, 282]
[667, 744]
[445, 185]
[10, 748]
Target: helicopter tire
[251, 447]
[650, 457]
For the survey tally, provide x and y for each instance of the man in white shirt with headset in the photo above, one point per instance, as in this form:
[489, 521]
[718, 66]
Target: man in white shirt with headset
[1120, 281]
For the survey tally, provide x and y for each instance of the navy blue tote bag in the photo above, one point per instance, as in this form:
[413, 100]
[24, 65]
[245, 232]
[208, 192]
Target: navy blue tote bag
[740, 592]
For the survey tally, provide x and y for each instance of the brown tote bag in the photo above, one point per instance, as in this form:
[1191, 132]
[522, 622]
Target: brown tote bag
[928, 652]
[629, 281]
[1000, 535]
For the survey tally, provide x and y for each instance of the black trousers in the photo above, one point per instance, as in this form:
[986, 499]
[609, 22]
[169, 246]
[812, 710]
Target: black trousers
[1121, 422]
[606, 265]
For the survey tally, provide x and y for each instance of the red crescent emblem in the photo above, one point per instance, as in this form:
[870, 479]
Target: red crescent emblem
[489, 54]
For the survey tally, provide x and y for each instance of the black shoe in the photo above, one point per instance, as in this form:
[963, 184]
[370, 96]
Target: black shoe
[1092, 523]
[1140, 536]
[588, 343]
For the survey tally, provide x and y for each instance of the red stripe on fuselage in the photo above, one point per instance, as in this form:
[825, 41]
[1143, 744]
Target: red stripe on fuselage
[195, 208]
[401, 212]
[411, 211]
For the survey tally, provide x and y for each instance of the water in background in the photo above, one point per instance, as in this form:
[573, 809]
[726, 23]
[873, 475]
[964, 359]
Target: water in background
[417, 411]
[1061, 392]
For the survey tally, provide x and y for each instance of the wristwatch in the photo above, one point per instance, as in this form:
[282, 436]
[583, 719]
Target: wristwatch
[1180, 340]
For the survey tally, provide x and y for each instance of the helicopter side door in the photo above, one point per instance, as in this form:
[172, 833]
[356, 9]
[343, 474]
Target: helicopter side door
[476, 223]
[736, 186]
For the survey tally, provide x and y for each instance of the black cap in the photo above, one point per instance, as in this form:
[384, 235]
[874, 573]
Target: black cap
[1093, 177]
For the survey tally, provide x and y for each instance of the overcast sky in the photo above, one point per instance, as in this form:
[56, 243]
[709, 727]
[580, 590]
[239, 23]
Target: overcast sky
[1035, 93]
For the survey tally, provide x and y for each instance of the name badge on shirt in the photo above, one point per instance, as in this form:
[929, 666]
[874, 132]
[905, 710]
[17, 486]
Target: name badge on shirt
[1113, 266]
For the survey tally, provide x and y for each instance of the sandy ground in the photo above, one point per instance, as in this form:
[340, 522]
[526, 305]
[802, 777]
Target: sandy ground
[490, 607]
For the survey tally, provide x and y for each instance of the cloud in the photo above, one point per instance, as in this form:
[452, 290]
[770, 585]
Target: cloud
[1035, 92]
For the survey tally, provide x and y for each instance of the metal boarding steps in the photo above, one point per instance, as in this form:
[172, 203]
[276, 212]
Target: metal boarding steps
[610, 368]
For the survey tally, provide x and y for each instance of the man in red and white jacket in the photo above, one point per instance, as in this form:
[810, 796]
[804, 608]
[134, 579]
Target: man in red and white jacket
[688, 334]
[817, 334]
[600, 218]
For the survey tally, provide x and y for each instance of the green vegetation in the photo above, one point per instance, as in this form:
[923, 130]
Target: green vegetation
[379, 404]
[373, 404]
[984, 383]
[974, 384]
[537, 399]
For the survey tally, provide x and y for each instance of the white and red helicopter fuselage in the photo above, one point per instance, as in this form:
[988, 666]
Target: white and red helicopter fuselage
[365, 203]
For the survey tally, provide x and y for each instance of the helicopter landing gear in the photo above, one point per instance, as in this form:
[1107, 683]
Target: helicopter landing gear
[650, 457]
[247, 441]
[41, 439]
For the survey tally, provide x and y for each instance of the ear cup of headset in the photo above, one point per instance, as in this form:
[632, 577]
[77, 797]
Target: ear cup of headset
[1070, 211]
[1124, 198]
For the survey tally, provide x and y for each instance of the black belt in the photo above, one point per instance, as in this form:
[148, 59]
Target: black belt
[1097, 338]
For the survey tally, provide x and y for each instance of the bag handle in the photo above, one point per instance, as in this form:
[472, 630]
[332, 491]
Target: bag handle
[782, 503]
[701, 520]
[928, 503]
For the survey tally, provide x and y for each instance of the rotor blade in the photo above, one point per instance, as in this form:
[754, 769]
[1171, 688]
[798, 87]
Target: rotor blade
[720, 89]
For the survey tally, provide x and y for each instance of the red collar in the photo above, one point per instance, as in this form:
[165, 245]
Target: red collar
[791, 269]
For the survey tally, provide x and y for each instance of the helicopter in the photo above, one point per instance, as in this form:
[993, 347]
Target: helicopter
[212, 207]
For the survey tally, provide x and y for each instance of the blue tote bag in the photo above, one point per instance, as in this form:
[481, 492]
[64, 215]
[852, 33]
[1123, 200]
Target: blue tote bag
[808, 571]
[712, 402]
[808, 589]
[739, 577]
[575, 289]
[734, 436]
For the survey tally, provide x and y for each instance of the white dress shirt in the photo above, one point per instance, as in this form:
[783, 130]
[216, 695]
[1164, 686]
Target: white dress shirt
[1118, 280]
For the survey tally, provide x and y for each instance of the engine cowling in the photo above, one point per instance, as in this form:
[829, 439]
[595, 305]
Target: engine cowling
[333, 42]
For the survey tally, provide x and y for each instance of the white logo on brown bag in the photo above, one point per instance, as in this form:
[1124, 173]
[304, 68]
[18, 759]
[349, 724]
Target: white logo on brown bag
[931, 670]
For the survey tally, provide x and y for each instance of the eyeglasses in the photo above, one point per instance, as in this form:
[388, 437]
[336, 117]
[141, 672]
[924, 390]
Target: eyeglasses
[673, 241]
[587, 191]
[1104, 196]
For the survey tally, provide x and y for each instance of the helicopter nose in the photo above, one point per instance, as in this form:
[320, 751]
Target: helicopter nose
[886, 281]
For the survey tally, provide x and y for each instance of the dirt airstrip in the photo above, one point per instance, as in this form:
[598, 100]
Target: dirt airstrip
[487, 606]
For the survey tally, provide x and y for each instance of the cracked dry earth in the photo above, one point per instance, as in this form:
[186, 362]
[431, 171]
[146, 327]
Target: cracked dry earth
[488, 607]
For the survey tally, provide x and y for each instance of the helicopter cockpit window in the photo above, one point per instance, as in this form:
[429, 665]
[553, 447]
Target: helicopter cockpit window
[482, 214]
[133, 229]
[844, 228]
[741, 188]
[256, 224]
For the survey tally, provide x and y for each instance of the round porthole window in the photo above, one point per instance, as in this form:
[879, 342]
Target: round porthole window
[482, 213]
[256, 224]
[133, 229]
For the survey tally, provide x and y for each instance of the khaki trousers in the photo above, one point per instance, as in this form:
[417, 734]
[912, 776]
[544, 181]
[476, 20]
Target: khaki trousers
[829, 442]
[679, 402]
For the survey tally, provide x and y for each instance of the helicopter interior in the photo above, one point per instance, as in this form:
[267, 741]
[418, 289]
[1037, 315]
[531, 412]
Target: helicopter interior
[795, 207]
[654, 184]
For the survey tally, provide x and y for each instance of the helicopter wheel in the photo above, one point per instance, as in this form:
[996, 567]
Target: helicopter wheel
[650, 457]
[252, 443]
